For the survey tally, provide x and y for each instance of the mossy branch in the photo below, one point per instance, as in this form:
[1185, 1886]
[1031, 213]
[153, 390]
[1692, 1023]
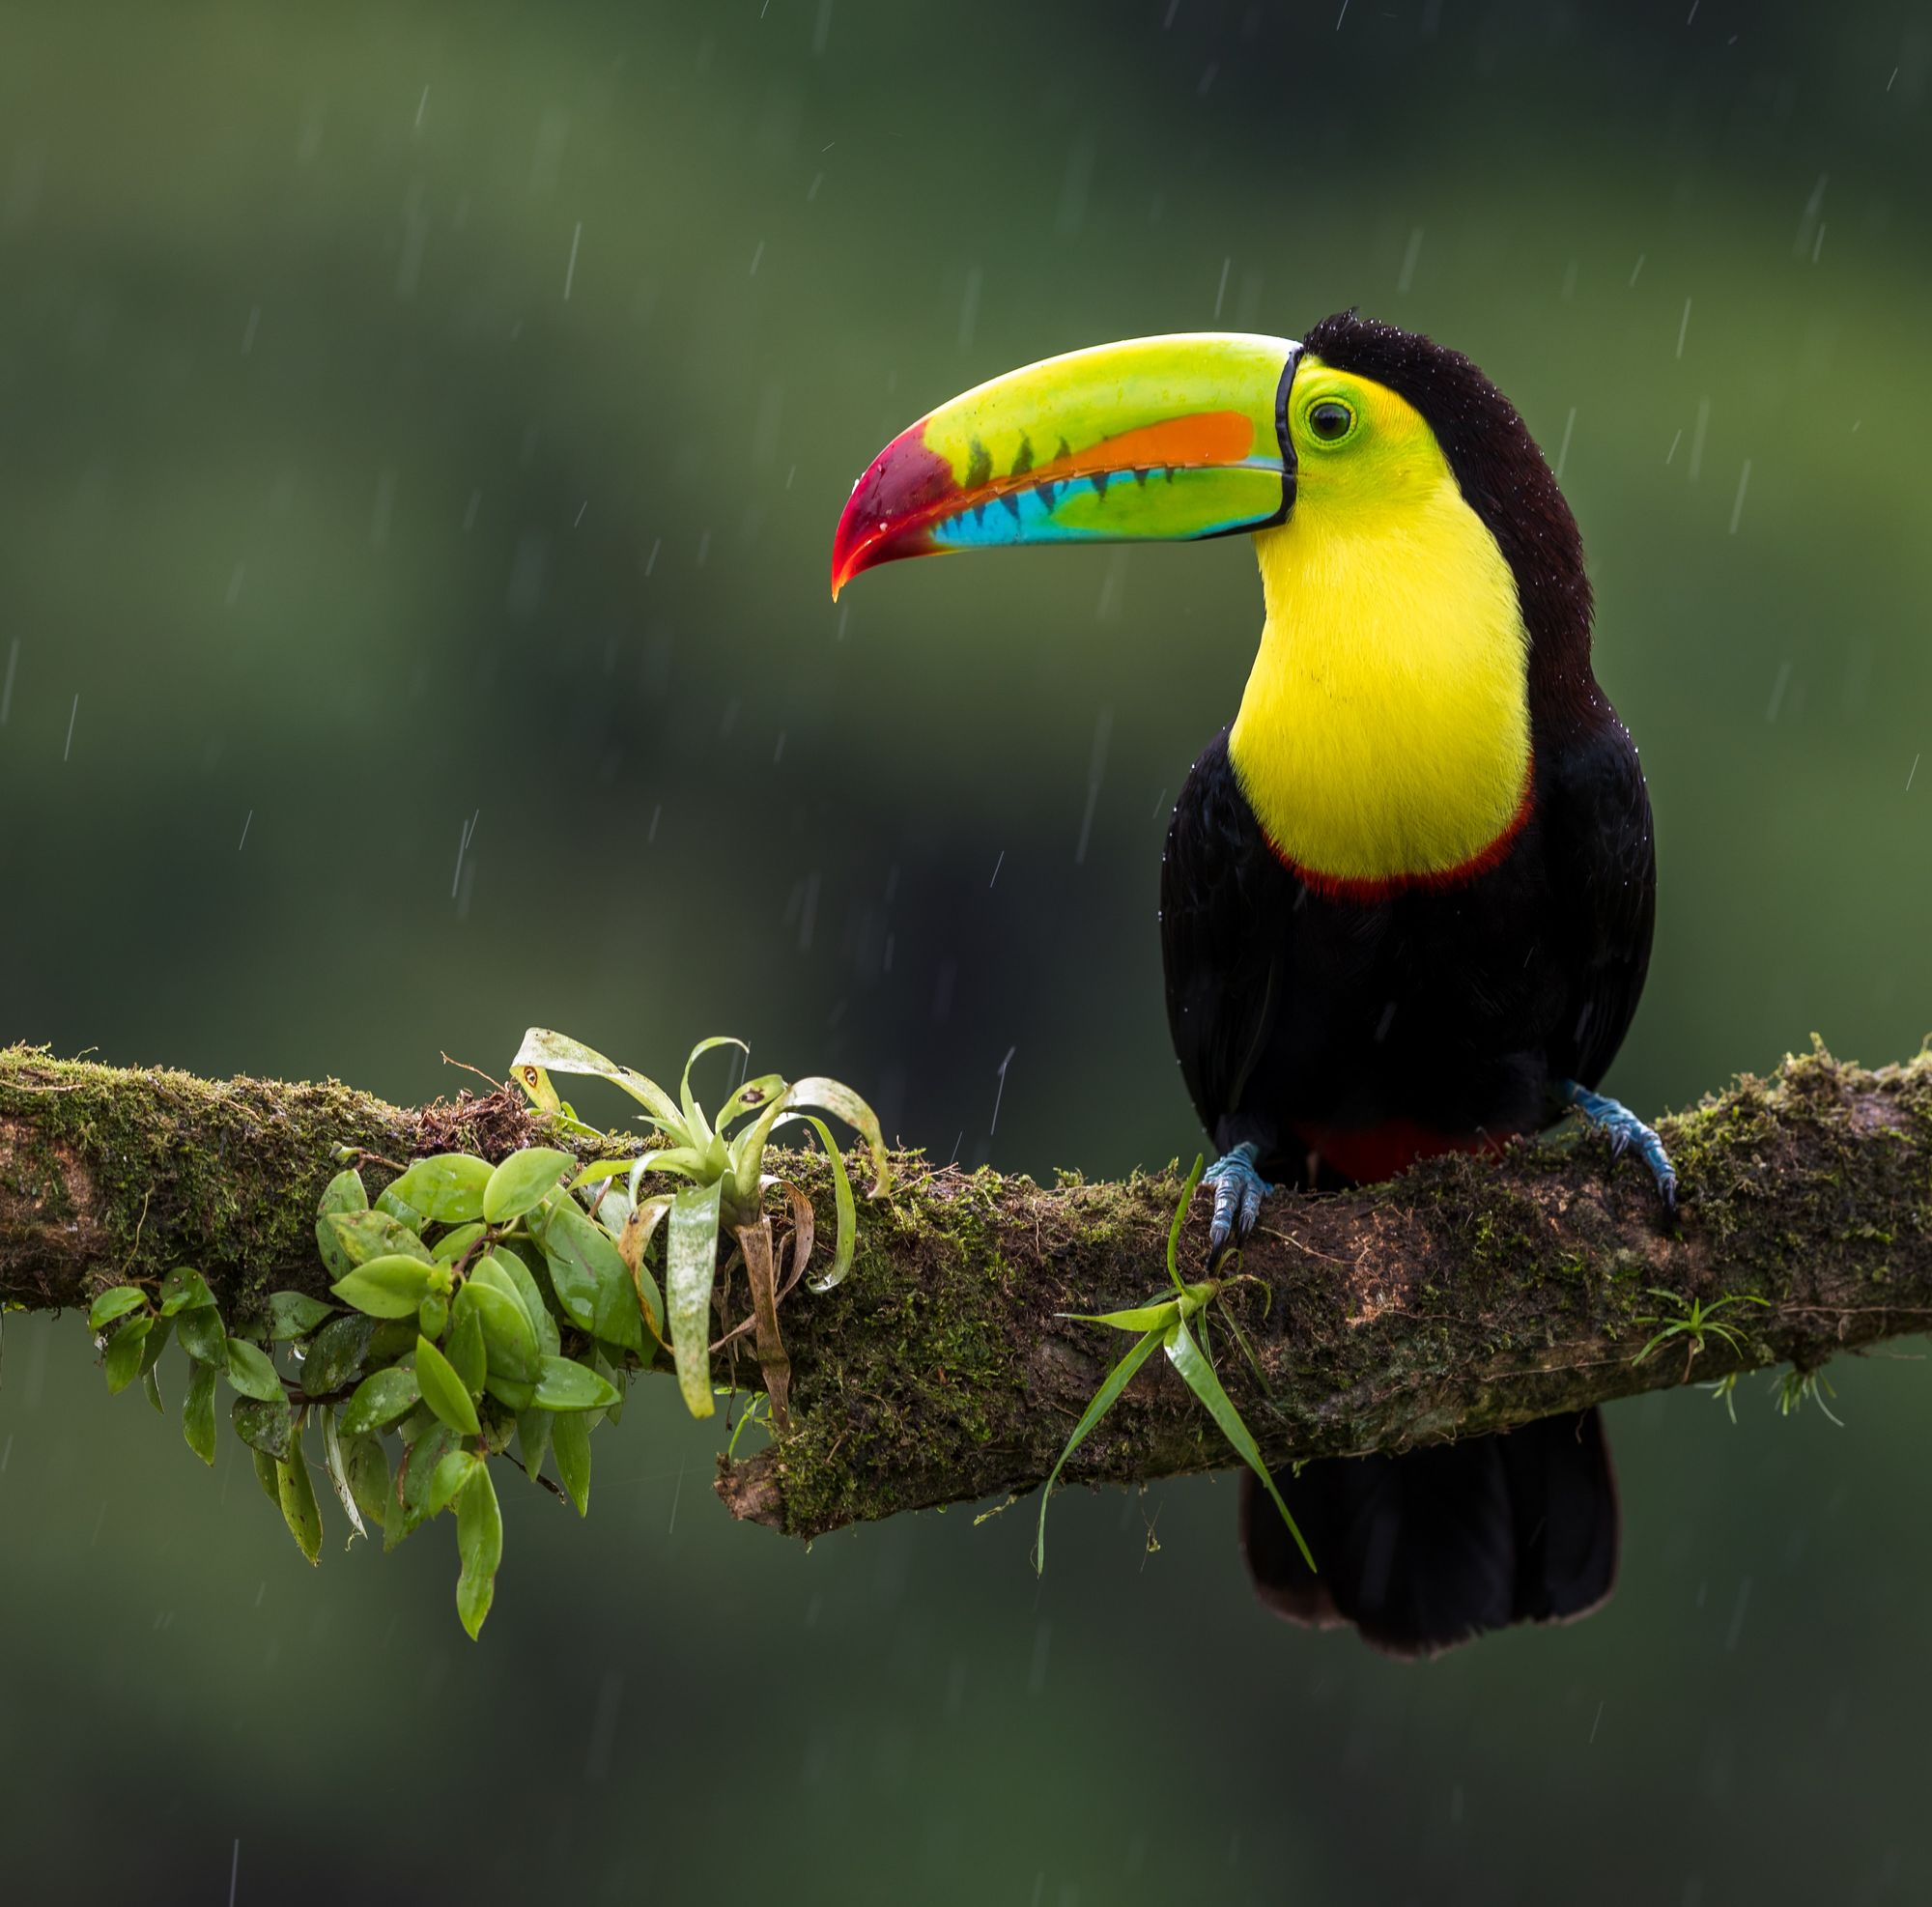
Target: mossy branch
[1470, 1295]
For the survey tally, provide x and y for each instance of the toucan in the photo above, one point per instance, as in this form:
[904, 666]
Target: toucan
[1406, 897]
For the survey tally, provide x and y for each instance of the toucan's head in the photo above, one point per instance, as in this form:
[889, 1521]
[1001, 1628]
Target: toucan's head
[1203, 434]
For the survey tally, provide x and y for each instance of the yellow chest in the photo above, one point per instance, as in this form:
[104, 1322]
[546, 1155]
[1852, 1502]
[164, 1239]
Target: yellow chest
[1385, 731]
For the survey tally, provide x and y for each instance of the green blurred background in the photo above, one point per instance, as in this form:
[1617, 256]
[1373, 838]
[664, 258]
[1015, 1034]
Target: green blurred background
[418, 415]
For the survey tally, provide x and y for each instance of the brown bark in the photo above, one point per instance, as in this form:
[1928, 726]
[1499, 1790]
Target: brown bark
[1468, 1296]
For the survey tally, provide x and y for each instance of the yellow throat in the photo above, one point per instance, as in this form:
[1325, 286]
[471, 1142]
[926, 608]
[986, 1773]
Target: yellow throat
[1384, 730]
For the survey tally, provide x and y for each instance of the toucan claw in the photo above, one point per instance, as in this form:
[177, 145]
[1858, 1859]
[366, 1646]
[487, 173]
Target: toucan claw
[1625, 1130]
[1239, 1192]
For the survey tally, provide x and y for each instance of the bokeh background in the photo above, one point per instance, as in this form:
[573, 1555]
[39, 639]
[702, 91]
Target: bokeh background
[420, 420]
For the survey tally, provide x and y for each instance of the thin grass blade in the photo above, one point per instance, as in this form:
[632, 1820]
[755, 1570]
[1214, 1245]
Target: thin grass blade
[1185, 1355]
[1111, 1386]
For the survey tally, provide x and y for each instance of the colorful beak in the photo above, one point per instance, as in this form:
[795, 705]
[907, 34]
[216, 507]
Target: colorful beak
[1165, 439]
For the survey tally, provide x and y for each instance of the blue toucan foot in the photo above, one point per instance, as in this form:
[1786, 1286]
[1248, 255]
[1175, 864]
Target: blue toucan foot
[1239, 1192]
[1625, 1130]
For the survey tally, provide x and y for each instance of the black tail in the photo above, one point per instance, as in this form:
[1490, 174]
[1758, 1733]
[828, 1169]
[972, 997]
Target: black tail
[1430, 1548]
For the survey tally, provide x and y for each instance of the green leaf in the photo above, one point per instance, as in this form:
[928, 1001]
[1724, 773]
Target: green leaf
[115, 1302]
[567, 1386]
[509, 1342]
[542, 1321]
[536, 1083]
[344, 1193]
[390, 1287]
[1145, 1318]
[690, 1268]
[156, 1342]
[295, 1315]
[335, 1353]
[393, 1205]
[433, 1317]
[608, 1364]
[367, 1236]
[299, 1511]
[521, 1182]
[748, 1148]
[391, 1342]
[559, 1054]
[184, 1289]
[198, 1411]
[447, 1189]
[335, 1462]
[589, 1276]
[479, 1544]
[1111, 1386]
[151, 1387]
[1187, 1357]
[265, 1473]
[533, 1439]
[842, 1198]
[419, 1462]
[570, 1446]
[443, 1391]
[754, 1096]
[450, 1247]
[611, 1207]
[512, 1393]
[124, 1351]
[686, 1160]
[266, 1425]
[380, 1399]
[368, 1466]
[420, 1421]
[842, 1102]
[251, 1371]
[465, 1349]
[200, 1333]
[450, 1475]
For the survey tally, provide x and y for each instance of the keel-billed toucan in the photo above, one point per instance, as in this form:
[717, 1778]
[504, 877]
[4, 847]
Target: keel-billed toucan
[1406, 897]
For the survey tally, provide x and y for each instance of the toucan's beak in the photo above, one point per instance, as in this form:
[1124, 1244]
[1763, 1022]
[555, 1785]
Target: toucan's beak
[1156, 439]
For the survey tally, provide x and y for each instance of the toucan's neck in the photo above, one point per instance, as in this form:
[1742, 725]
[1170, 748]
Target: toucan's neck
[1384, 739]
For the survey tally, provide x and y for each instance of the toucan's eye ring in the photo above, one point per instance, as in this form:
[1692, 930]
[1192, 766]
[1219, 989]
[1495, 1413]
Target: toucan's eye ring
[1330, 420]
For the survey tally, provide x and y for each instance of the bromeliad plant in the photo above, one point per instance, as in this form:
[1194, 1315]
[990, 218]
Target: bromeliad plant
[1695, 1322]
[458, 1292]
[1164, 1323]
[724, 1188]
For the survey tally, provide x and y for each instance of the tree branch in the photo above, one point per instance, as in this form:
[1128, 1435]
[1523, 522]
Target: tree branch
[1470, 1295]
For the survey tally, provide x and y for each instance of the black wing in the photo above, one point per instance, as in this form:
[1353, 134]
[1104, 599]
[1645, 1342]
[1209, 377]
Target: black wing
[1221, 940]
[1602, 867]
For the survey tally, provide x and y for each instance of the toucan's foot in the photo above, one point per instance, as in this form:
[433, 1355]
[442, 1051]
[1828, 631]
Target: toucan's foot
[1239, 1192]
[1625, 1130]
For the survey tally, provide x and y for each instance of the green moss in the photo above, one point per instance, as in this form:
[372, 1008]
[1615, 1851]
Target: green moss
[1466, 1297]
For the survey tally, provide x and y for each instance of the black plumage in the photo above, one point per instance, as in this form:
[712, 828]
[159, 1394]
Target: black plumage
[1345, 1032]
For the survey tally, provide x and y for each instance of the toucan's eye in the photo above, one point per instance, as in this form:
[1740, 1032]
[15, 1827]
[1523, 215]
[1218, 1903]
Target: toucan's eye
[1331, 421]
